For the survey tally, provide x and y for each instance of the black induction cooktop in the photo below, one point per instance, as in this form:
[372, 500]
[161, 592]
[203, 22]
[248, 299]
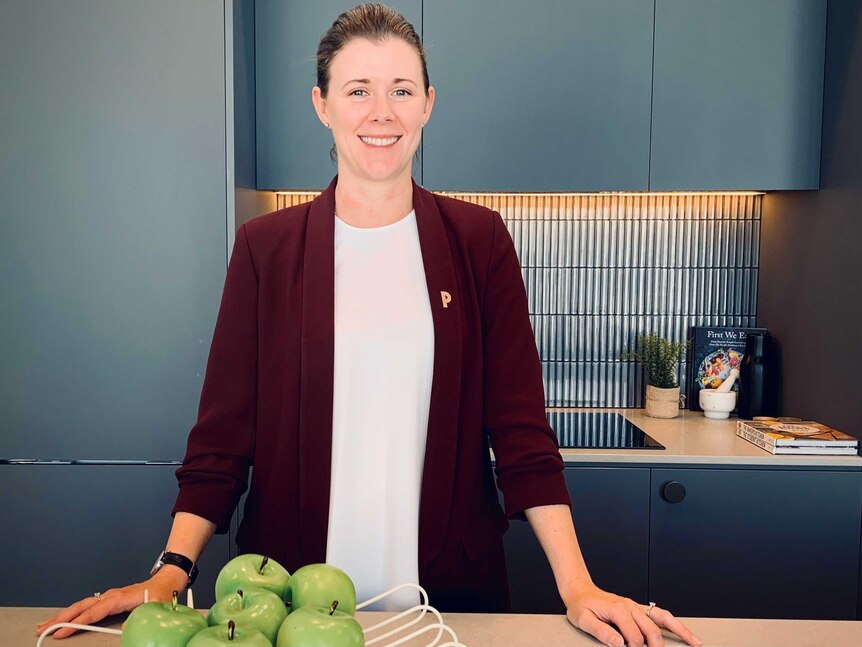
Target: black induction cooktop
[598, 430]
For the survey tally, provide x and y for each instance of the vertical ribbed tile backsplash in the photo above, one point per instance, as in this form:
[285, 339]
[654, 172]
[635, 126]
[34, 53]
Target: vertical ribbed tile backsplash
[602, 268]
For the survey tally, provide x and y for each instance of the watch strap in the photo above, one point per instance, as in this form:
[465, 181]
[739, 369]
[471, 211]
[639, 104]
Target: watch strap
[180, 561]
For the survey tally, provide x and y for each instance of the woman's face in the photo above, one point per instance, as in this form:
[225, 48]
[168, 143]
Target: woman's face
[376, 106]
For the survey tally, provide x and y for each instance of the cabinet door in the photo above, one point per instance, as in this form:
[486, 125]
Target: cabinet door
[292, 145]
[541, 96]
[610, 508]
[113, 234]
[737, 94]
[756, 543]
[70, 530]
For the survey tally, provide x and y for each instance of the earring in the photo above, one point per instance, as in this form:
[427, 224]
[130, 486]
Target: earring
[326, 124]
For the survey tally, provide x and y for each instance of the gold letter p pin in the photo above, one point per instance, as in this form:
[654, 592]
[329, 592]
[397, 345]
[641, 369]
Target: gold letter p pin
[447, 298]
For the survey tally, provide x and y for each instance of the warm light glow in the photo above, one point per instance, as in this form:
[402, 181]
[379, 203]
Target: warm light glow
[601, 194]
[571, 194]
[567, 201]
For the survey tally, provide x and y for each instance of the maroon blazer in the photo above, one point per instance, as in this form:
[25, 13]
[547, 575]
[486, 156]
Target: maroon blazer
[267, 398]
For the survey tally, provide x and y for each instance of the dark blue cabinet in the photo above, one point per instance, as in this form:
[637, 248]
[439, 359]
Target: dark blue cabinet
[113, 246]
[610, 509]
[717, 542]
[575, 95]
[756, 543]
[113, 231]
[70, 530]
[292, 145]
[737, 94]
[543, 96]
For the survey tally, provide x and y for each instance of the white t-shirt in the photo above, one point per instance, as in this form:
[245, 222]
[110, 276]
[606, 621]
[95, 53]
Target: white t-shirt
[384, 362]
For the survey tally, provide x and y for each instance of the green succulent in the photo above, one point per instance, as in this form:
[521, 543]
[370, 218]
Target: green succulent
[660, 358]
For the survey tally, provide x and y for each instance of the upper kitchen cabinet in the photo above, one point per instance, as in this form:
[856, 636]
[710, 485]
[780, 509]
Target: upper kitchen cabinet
[541, 96]
[737, 94]
[292, 145]
[113, 238]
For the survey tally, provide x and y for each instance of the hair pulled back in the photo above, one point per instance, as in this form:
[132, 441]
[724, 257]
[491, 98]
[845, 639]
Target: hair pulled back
[373, 21]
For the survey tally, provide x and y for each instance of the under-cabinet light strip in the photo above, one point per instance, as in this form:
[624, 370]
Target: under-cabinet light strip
[565, 194]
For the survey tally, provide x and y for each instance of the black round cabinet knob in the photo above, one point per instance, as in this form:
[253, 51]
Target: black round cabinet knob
[673, 491]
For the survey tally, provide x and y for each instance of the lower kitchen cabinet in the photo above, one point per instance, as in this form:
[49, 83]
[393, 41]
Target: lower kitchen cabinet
[713, 542]
[70, 530]
[610, 508]
[755, 543]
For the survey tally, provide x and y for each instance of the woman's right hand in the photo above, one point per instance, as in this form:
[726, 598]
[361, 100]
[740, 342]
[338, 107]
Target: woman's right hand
[91, 609]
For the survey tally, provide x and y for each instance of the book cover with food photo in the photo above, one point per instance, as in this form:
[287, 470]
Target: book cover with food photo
[781, 436]
[714, 352]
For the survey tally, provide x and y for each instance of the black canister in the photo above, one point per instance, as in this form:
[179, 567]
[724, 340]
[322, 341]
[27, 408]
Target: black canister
[752, 378]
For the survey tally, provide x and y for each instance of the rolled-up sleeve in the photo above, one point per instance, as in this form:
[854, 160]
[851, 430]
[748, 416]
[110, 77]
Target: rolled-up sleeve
[214, 472]
[529, 467]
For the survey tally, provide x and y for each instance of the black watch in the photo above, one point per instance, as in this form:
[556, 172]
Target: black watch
[175, 559]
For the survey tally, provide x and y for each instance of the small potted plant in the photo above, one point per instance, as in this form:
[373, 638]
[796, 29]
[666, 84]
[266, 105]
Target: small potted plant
[660, 358]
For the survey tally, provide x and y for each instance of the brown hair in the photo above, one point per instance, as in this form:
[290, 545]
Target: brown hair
[373, 21]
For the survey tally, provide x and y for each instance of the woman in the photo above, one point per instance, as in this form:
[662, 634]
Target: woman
[369, 346]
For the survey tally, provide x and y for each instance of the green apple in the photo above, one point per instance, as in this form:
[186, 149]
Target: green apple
[319, 585]
[253, 608]
[162, 624]
[229, 635]
[251, 571]
[320, 627]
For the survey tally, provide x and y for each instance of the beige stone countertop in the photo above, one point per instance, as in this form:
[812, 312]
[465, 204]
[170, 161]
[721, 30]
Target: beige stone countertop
[481, 630]
[693, 439]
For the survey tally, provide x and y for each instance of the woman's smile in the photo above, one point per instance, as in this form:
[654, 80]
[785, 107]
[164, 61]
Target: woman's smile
[380, 142]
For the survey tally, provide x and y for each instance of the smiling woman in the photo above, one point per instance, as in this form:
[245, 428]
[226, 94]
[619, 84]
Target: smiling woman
[370, 346]
[376, 107]
[374, 93]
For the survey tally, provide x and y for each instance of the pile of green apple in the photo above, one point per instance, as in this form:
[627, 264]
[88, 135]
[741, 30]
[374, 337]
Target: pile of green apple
[258, 604]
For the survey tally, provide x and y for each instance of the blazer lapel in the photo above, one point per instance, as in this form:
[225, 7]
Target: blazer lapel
[441, 445]
[317, 363]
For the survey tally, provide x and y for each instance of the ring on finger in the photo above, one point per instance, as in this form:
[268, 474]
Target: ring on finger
[650, 608]
[98, 596]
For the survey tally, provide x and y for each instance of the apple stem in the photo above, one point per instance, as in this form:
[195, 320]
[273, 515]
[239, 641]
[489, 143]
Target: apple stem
[174, 595]
[231, 627]
[241, 599]
[333, 607]
[263, 564]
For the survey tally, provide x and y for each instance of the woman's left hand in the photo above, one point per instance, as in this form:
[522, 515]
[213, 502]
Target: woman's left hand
[592, 609]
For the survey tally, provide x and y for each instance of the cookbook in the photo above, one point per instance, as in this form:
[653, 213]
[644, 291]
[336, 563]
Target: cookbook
[714, 352]
[803, 437]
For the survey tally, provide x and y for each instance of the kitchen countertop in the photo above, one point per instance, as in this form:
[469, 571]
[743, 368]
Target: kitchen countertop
[693, 439]
[494, 630]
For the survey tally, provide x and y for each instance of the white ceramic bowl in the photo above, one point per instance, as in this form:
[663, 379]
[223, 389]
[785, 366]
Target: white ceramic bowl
[717, 405]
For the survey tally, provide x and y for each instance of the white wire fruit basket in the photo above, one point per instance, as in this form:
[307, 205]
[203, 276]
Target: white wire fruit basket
[393, 628]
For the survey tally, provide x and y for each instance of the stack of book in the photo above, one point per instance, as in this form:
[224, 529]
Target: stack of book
[780, 436]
